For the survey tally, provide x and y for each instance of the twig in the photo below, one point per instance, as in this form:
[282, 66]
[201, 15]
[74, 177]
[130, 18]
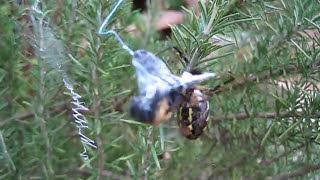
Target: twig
[242, 116]
[96, 107]
[199, 162]
[56, 109]
[220, 171]
[212, 17]
[193, 59]
[40, 109]
[239, 82]
[148, 153]
[263, 76]
[233, 6]
[276, 158]
[300, 172]
[5, 154]
[104, 174]
[262, 115]
[73, 16]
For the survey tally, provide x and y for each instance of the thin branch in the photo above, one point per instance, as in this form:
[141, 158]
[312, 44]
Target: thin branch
[262, 115]
[193, 59]
[300, 172]
[56, 109]
[239, 82]
[233, 6]
[96, 106]
[73, 17]
[217, 172]
[104, 174]
[40, 111]
[5, 153]
[212, 17]
[146, 163]
[199, 161]
[276, 158]
[242, 116]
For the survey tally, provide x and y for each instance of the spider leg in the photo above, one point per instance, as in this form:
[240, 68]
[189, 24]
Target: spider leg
[219, 86]
[180, 53]
[208, 91]
[186, 60]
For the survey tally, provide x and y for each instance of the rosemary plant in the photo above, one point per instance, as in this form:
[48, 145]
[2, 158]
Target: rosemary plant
[263, 125]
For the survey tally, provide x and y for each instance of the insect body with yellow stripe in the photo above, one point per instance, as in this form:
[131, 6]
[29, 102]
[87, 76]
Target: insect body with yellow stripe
[193, 114]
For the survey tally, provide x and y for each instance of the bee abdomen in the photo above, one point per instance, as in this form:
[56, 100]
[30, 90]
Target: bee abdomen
[152, 111]
[140, 112]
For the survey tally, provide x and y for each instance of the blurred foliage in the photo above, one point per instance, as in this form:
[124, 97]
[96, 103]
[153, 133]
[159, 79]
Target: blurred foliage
[263, 125]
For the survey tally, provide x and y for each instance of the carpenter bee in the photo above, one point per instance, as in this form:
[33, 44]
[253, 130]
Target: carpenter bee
[160, 92]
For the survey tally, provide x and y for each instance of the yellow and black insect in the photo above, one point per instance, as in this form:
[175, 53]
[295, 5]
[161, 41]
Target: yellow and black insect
[193, 114]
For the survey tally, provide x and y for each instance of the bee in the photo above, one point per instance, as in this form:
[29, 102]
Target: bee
[161, 93]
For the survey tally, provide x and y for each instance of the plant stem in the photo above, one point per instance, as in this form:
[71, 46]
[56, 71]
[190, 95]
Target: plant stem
[148, 153]
[96, 107]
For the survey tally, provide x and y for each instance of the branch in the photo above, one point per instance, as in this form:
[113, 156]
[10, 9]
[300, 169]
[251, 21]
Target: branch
[104, 174]
[199, 161]
[276, 158]
[5, 153]
[217, 172]
[262, 115]
[96, 107]
[242, 116]
[265, 75]
[54, 110]
[146, 163]
[300, 172]
[252, 78]
[234, 6]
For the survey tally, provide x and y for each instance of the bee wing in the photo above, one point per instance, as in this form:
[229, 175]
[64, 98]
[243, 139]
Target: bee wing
[187, 79]
[148, 64]
[148, 83]
[157, 86]
[154, 76]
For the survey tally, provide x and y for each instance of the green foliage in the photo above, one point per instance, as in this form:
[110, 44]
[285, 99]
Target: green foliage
[264, 124]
